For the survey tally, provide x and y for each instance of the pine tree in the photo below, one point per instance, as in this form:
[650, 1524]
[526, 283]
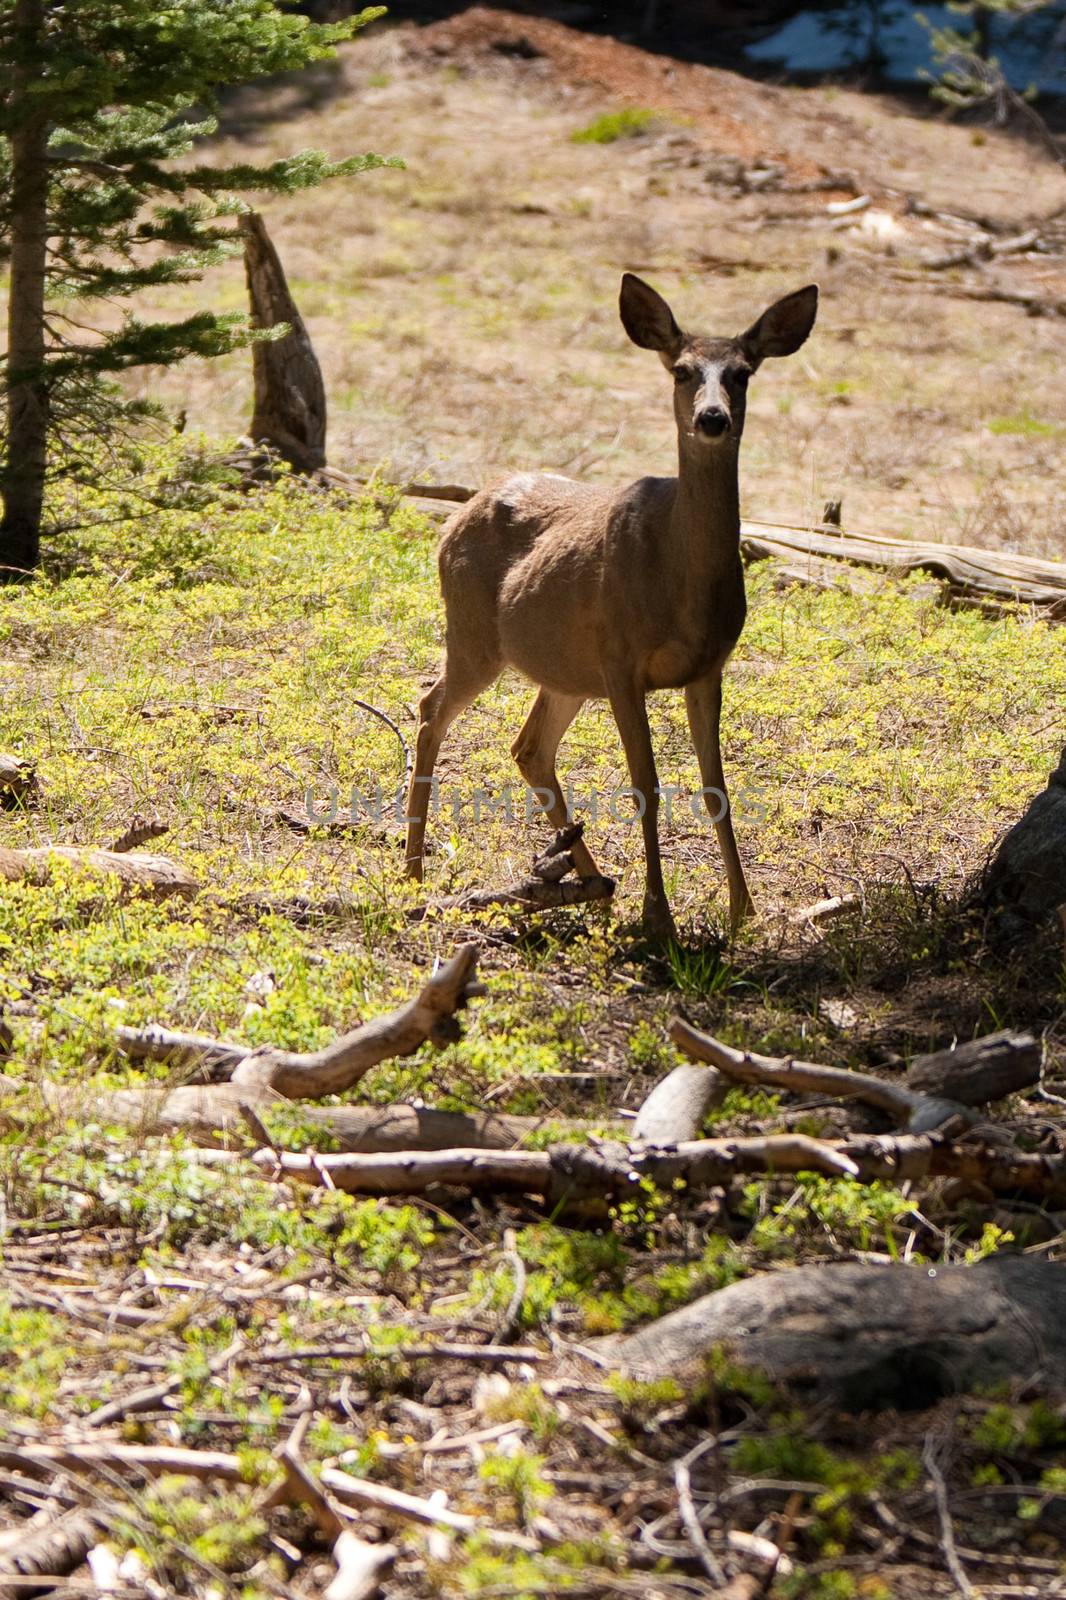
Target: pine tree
[99, 100]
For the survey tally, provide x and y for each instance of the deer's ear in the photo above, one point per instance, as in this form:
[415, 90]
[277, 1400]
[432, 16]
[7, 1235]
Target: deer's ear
[648, 319]
[783, 328]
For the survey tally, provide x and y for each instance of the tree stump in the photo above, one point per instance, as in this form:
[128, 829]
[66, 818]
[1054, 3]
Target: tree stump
[289, 411]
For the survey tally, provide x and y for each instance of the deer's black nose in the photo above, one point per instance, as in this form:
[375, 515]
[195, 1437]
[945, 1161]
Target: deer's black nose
[713, 422]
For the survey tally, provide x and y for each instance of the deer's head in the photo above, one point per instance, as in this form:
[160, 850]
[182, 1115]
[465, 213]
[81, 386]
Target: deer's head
[711, 375]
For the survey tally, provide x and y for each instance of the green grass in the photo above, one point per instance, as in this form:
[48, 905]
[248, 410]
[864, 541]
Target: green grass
[197, 655]
[200, 661]
[1025, 425]
[628, 123]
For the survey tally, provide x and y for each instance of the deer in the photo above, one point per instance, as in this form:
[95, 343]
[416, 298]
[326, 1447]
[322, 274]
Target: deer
[595, 594]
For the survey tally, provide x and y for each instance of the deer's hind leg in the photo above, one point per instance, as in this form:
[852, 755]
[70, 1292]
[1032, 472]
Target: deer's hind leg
[462, 678]
[535, 750]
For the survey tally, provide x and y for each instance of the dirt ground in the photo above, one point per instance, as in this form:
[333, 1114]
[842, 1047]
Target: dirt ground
[464, 309]
[193, 657]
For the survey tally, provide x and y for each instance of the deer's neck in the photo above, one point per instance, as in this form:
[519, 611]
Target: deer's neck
[704, 533]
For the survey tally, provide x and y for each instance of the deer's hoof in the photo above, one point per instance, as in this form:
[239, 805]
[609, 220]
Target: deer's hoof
[739, 913]
[658, 921]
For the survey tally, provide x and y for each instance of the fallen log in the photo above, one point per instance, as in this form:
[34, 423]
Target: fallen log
[939, 1088]
[968, 570]
[980, 1070]
[152, 875]
[590, 1178]
[867, 1336]
[577, 1177]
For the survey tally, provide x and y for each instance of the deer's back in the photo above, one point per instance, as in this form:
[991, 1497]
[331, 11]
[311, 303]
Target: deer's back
[525, 558]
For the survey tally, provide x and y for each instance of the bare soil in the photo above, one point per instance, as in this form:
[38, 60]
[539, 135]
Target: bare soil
[464, 309]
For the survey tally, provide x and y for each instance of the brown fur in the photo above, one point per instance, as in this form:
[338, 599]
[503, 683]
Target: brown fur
[591, 593]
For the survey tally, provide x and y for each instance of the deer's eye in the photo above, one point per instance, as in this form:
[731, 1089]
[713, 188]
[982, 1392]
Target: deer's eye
[684, 374]
[740, 377]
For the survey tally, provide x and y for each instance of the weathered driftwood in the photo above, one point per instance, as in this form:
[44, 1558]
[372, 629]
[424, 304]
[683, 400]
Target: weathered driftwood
[968, 569]
[937, 1091]
[676, 1108]
[1026, 880]
[152, 875]
[870, 1336]
[337, 1067]
[588, 1178]
[289, 413]
[18, 782]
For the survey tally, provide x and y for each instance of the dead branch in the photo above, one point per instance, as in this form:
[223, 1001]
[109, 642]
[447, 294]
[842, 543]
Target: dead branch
[587, 1179]
[139, 832]
[931, 1461]
[155, 876]
[937, 1090]
[574, 1176]
[984, 249]
[340, 1065]
[214, 1113]
[869, 1336]
[18, 782]
[409, 1507]
[552, 883]
[361, 1567]
[150, 1461]
[492, 1355]
[836, 905]
[1037, 305]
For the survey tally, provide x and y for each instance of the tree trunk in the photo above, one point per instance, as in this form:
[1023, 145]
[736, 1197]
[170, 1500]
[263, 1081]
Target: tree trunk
[290, 398]
[26, 381]
[1026, 880]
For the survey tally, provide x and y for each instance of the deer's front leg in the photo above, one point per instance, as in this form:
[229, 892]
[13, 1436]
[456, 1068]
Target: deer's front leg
[703, 701]
[631, 714]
